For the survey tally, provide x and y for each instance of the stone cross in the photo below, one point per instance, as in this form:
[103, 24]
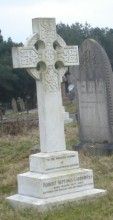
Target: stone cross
[46, 57]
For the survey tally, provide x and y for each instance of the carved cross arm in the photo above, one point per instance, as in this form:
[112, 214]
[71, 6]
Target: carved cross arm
[25, 57]
[68, 55]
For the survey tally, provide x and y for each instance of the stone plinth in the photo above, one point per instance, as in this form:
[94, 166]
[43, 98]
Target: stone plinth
[21, 201]
[54, 184]
[52, 162]
[54, 179]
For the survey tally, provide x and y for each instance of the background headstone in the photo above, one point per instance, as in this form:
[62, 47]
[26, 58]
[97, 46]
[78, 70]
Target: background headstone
[22, 105]
[14, 105]
[95, 94]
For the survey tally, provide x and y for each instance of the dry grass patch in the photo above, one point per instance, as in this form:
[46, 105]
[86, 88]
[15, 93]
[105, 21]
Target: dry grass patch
[71, 134]
[14, 158]
[15, 151]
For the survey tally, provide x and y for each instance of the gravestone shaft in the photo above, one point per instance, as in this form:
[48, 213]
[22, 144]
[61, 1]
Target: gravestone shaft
[40, 51]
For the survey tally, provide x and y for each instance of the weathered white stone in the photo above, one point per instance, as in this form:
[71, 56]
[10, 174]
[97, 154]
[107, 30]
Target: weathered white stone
[55, 176]
[51, 121]
[52, 162]
[48, 78]
[54, 184]
[67, 119]
[21, 201]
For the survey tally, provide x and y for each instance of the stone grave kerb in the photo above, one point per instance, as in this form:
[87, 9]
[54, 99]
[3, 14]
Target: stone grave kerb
[46, 58]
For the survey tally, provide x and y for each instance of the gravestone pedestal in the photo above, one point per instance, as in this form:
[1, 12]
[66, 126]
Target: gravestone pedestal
[55, 176]
[54, 179]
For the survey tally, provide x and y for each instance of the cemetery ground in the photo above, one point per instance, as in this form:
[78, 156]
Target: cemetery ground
[14, 159]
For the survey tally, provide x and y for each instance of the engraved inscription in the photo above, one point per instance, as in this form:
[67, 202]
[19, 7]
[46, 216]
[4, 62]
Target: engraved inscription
[65, 166]
[91, 92]
[60, 162]
[68, 184]
[88, 57]
[61, 157]
[88, 65]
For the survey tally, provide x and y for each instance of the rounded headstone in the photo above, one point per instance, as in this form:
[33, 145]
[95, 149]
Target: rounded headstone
[95, 93]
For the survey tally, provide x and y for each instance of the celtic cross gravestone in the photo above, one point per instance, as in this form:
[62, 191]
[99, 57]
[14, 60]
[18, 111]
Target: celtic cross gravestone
[52, 65]
[55, 176]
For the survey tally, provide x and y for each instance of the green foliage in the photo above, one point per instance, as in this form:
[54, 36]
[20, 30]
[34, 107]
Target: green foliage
[71, 34]
[6, 76]
[25, 86]
[17, 83]
[77, 33]
[74, 34]
[13, 82]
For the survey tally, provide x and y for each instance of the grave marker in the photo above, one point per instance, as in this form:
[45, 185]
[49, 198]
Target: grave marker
[22, 105]
[14, 105]
[48, 79]
[95, 94]
[55, 176]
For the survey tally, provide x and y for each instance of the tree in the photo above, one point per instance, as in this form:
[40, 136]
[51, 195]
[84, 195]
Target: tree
[7, 79]
[1, 37]
[13, 82]
[18, 83]
[77, 33]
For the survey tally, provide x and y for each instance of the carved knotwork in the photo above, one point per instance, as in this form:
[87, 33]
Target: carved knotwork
[30, 57]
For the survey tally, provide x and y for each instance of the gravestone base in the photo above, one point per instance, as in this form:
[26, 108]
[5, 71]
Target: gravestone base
[52, 162]
[54, 179]
[99, 149]
[67, 119]
[22, 201]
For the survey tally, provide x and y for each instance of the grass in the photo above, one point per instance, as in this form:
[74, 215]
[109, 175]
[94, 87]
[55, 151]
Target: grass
[71, 133]
[14, 159]
[71, 108]
[20, 115]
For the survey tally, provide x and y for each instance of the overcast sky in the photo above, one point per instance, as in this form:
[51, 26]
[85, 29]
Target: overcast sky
[16, 15]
